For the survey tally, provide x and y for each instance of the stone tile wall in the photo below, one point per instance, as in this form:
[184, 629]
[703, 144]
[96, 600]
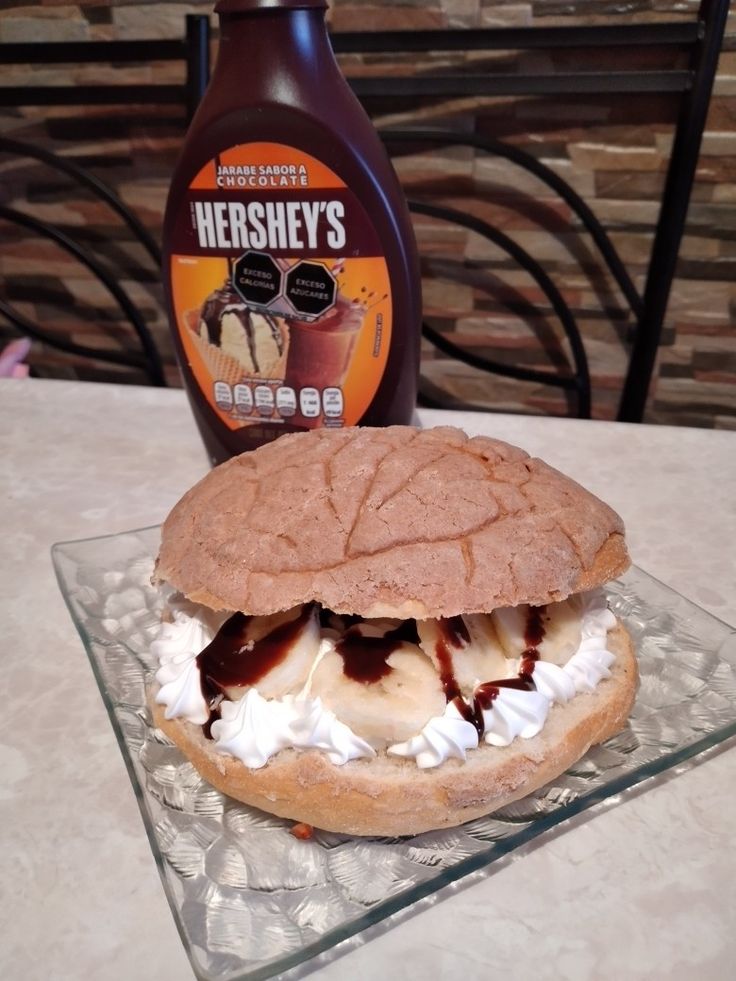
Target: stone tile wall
[613, 150]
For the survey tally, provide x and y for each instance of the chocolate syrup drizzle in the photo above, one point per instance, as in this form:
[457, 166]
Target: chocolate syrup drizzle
[231, 660]
[365, 659]
[454, 633]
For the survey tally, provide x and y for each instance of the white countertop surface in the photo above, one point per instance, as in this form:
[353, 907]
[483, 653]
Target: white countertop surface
[644, 888]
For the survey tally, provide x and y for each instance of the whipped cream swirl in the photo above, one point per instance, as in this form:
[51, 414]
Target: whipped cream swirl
[177, 647]
[253, 729]
[448, 736]
[319, 728]
[514, 713]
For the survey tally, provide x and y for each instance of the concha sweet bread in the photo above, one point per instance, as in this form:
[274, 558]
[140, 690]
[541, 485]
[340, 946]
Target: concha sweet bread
[386, 631]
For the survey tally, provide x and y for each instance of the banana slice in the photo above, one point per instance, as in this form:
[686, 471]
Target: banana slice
[489, 658]
[290, 642]
[398, 696]
[334, 625]
[560, 622]
[464, 650]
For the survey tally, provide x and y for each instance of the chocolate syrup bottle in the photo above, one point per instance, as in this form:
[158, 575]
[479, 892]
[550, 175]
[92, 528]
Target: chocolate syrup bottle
[289, 259]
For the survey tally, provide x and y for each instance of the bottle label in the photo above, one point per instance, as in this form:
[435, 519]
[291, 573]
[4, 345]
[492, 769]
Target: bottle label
[280, 290]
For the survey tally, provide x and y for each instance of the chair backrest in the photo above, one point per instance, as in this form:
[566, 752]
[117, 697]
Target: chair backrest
[193, 50]
[677, 58]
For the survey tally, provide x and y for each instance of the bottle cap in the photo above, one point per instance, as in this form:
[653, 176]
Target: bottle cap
[246, 6]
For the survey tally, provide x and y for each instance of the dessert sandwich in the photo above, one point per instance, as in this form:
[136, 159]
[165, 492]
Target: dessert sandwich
[387, 631]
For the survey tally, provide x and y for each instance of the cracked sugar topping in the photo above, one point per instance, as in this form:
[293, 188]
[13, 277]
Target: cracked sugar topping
[388, 522]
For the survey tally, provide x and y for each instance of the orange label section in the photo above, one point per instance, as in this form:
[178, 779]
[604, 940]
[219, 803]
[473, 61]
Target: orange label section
[275, 325]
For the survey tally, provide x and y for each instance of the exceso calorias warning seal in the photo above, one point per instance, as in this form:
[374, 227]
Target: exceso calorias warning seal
[387, 631]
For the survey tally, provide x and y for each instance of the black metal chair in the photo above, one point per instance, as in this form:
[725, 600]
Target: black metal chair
[698, 41]
[194, 51]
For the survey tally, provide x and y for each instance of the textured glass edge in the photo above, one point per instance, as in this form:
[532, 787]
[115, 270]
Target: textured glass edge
[140, 794]
[402, 902]
[501, 850]
[471, 878]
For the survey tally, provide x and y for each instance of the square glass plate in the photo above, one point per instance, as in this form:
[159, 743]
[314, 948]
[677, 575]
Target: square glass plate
[249, 899]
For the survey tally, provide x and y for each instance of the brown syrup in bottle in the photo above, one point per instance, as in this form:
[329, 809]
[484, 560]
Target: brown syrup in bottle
[276, 85]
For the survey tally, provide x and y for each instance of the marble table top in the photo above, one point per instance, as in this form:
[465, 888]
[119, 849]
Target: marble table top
[643, 888]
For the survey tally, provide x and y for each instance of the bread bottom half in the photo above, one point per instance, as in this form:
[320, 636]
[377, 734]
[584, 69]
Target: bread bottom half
[390, 795]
